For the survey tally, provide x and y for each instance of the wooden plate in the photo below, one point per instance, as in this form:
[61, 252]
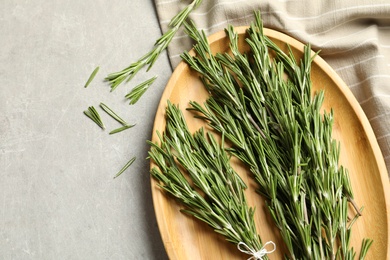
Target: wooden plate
[187, 238]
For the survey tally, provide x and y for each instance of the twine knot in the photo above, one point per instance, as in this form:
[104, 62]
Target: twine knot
[256, 255]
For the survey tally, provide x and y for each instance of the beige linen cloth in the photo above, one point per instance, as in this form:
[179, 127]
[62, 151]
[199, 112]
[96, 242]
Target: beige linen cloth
[353, 36]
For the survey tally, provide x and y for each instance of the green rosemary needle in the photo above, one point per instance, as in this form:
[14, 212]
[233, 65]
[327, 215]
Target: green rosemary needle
[137, 92]
[122, 128]
[116, 78]
[111, 113]
[114, 115]
[125, 167]
[94, 116]
[92, 76]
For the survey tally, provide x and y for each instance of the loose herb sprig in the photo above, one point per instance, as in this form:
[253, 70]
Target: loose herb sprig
[276, 128]
[137, 92]
[223, 205]
[116, 78]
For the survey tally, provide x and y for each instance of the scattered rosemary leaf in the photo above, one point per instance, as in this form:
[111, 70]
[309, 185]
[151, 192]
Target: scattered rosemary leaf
[111, 113]
[92, 76]
[94, 116]
[120, 129]
[124, 168]
[136, 93]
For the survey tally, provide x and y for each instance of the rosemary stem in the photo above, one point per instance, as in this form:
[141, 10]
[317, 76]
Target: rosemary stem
[116, 78]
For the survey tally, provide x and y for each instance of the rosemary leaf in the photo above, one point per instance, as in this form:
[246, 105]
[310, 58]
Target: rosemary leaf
[94, 116]
[125, 167]
[111, 113]
[120, 129]
[92, 76]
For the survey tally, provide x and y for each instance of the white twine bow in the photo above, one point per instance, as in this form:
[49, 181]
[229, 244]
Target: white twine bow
[256, 255]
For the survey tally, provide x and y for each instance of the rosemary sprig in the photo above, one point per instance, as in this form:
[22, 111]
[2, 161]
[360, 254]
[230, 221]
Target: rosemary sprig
[116, 78]
[137, 92]
[92, 76]
[277, 129]
[94, 116]
[199, 157]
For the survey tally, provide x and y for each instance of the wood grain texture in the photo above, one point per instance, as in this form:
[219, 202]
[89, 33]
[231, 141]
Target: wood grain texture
[187, 238]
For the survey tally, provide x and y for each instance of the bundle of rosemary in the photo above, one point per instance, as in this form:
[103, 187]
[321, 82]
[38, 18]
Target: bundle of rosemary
[276, 127]
[214, 192]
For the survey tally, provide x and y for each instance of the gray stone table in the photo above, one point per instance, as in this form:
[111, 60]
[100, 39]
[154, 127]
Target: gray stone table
[58, 198]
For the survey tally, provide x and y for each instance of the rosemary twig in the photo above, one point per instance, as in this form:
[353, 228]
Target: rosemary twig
[116, 78]
[136, 93]
[91, 77]
[94, 116]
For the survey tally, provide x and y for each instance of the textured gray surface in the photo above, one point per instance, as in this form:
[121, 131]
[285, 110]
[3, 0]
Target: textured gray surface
[58, 199]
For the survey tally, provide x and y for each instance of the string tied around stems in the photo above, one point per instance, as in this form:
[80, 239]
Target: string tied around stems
[256, 255]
